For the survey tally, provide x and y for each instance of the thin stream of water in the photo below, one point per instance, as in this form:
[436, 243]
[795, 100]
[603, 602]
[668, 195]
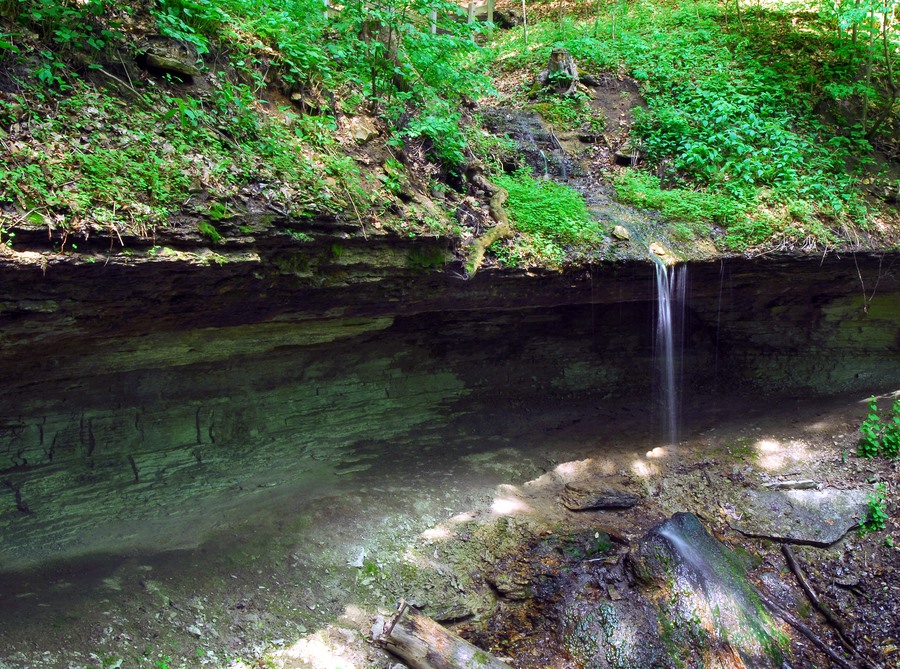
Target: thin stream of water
[688, 553]
[670, 291]
[718, 325]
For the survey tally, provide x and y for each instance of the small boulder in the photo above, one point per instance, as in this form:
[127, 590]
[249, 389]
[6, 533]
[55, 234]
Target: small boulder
[812, 517]
[663, 253]
[171, 65]
[163, 55]
[362, 129]
[597, 495]
[685, 601]
[628, 156]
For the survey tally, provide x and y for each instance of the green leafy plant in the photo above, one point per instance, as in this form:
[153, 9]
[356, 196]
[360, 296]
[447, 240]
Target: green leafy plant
[188, 111]
[52, 72]
[730, 108]
[7, 46]
[871, 429]
[394, 176]
[207, 229]
[547, 208]
[72, 26]
[551, 217]
[876, 513]
[880, 436]
[190, 21]
[645, 190]
[571, 113]
[890, 435]
[445, 140]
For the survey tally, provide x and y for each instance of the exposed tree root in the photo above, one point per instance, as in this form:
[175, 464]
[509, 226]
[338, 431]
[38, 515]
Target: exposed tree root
[501, 229]
[824, 610]
[804, 630]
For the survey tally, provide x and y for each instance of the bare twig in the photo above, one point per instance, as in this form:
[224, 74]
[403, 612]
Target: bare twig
[117, 79]
[355, 210]
[400, 611]
[867, 298]
[125, 68]
[812, 596]
[804, 630]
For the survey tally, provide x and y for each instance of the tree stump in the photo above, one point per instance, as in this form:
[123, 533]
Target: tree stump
[561, 72]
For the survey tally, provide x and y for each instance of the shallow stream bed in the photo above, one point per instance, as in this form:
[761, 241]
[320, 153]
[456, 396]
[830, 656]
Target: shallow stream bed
[296, 578]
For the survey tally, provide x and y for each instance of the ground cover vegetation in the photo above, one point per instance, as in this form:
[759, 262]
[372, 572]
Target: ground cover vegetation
[93, 142]
[768, 126]
[774, 122]
[550, 217]
[879, 436]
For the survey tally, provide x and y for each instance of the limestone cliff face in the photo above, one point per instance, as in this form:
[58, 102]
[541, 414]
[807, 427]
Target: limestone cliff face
[146, 400]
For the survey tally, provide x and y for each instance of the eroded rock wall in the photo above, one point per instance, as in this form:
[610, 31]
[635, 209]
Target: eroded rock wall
[145, 406]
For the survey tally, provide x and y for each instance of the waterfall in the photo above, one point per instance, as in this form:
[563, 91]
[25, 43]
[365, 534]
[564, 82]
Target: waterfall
[689, 554]
[670, 291]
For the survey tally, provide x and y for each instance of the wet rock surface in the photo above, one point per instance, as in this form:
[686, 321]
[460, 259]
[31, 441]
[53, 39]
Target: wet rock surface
[500, 564]
[706, 608]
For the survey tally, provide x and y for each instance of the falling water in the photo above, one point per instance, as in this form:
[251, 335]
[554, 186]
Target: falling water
[670, 290]
[546, 165]
[718, 325]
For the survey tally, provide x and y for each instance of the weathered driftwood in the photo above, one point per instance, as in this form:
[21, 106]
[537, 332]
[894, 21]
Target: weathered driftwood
[424, 644]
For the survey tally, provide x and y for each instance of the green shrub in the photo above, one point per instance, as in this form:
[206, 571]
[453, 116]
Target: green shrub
[571, 113]
[890, 436]
[441, 127]
[870, 443]
[190, 21]
[880, 436]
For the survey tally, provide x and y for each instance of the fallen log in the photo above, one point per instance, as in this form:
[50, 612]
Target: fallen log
[424, 644]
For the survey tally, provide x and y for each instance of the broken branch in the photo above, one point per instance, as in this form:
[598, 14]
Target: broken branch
[424, 644]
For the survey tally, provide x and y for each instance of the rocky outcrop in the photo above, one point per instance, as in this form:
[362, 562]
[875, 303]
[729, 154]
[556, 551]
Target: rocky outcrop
[706, 612]
[166, 56]
[150, 397]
